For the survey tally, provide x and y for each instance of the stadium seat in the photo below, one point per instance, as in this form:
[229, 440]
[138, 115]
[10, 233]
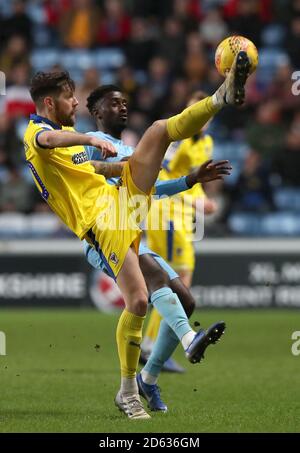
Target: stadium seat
[230, 150]
[44, 58]
[12, 225]
[269, 60]
[273, 35]
[235, 152]
[278, 224]
[244, 224]
[41, 225]
[72, 60]
[34, 226]
[108, 58]
[287, 198]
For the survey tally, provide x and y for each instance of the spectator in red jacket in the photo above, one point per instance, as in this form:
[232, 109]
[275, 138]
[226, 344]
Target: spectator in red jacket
[115, 26]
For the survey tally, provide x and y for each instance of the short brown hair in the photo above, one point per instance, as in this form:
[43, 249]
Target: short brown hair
[49, 84]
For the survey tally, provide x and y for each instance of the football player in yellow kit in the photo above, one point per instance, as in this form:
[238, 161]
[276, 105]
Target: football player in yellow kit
[173, 244]
[96, 211]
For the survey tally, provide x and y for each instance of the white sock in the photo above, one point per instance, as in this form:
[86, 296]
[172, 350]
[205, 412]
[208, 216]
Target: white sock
[218, 99]
[187, 339]
[148, 378]
[129, 385]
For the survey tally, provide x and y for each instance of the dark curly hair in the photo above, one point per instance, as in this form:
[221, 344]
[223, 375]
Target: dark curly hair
[49, 84]
[98, 94]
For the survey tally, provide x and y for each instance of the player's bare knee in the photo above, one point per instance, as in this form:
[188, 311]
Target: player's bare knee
[139, 302]
[154, 275]
[159, 128]
[159, 279]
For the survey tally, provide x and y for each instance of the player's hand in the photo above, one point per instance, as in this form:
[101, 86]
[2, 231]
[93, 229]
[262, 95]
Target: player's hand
[209, 171]
[106, 148]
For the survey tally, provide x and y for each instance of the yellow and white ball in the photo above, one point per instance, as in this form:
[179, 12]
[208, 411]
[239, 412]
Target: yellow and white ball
[227, 50]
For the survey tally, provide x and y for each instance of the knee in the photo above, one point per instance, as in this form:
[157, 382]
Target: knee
[139, 302]
[160, 129]
[159, 279]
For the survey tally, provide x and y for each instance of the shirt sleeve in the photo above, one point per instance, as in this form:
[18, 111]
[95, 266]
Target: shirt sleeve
[92, 152]
[39, 128]
[171, 187]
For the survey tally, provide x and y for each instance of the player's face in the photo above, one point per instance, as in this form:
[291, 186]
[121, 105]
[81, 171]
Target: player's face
[113, 111]
[65, 107]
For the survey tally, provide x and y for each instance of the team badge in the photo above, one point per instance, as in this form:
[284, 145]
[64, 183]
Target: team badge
[113, 258]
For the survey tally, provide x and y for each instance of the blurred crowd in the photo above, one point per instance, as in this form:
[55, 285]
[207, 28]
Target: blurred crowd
[159, 53]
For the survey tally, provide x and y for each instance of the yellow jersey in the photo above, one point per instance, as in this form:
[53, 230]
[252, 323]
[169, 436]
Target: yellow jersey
[170, 221]
[181, 159]
[185, 156]
[64, 177]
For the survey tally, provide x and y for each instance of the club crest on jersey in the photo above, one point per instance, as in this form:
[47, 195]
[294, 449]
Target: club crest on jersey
[80, 158]
[113, 258]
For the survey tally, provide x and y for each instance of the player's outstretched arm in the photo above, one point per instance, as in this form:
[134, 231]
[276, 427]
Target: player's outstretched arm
[209, 171]
[61, 139]
[202, 174]
[108, 169]
[173, 186]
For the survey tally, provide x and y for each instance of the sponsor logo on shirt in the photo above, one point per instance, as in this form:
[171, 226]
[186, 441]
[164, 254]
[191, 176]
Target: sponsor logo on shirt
[80, 158]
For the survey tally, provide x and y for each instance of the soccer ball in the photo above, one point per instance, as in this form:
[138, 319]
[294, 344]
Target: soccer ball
[227, 50]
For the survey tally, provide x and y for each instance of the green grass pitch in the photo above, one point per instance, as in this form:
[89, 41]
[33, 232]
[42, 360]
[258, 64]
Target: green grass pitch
[61, 374]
